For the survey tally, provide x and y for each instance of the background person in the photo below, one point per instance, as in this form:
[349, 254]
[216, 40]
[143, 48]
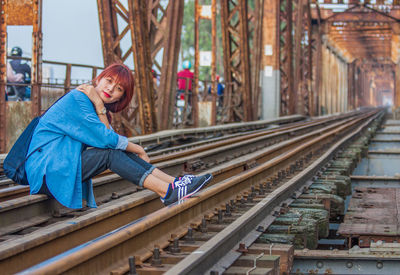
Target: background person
[20, 68]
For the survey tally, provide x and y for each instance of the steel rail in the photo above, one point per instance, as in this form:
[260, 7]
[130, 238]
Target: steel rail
[256, 133]
[171, 167]
[18, 191]
[135, 238]
[169, 135]
[226, 240]
[30, 247]
[187, 149]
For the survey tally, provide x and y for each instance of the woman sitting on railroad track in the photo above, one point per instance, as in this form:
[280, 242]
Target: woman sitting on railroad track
[61, 166]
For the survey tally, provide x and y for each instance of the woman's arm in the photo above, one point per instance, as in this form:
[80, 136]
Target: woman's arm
[137, 149]
[103, 118]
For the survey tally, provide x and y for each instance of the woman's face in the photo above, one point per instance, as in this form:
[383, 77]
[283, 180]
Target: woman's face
[109, 90]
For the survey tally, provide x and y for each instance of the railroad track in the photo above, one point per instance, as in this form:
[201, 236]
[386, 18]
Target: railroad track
[29, 211]
[159, 156]
[174, 138]
[273, 163]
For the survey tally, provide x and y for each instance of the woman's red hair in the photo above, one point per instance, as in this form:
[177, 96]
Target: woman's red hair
[124, 77]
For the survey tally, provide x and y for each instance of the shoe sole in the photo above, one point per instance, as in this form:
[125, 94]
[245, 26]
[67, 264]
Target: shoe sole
[198, 188]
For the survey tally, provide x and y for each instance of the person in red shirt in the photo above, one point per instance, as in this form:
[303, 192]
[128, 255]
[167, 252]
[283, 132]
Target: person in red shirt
[185, 77]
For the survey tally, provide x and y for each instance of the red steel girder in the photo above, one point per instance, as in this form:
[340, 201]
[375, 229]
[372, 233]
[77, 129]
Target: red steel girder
[286, 57]
[36, 77]
[3, 74]
[171, 40]
[237, 59]
[360, 17]
[300, 59]
[163, 29]
[20, 13]
[135, 18]
[142, 59]
[256, 29]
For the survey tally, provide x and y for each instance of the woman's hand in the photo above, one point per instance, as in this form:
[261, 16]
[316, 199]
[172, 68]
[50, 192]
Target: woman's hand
[94, 97]
[138, 150]
[144, 156]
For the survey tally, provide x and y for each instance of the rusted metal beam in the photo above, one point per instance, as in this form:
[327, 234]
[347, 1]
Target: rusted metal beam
[397, 86]
[286, 57]
[3, 74]
[351, 86]
[20, 13]
[298, 58]
[308, 75]
[139, 34]
[36, 79]
[256, 52]
[143, 77]
[110, 44]
[171, 45]
[213, 60]
[237, 59]
[108, 32]
[195, 91]
[317, 34]
[361, 17]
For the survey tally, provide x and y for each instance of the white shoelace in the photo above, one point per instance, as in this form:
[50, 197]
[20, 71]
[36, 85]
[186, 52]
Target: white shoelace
[184, 181]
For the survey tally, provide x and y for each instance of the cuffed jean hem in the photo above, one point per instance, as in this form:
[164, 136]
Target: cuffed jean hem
[143, 178]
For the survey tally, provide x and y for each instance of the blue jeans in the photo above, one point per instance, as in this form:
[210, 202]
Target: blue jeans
[127, 165]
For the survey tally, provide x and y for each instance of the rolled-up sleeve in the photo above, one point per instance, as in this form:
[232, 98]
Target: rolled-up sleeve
[122, 143]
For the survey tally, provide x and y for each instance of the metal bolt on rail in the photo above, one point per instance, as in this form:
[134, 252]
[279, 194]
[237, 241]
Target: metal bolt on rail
[189, 236]
[242, 248]
[203, 226]
[132, 266]
[260, 228]
[156, 260]
[228, 210]
[261, 190]
[220, 217]
[242, 201]
[175, 247]
[232, 204]
[253, 192]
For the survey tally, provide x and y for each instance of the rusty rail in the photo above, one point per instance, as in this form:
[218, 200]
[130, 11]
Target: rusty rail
[150, 200]
[139, 236]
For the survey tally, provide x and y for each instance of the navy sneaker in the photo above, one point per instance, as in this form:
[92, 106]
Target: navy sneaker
[185, 188]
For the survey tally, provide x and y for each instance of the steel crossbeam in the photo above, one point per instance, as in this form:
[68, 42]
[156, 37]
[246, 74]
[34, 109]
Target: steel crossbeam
[238, 96]
[20, 13]
[152, 27]
[286, 57]
[3, 74]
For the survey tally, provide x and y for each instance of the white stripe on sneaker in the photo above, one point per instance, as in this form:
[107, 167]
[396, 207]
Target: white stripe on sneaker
[198, 188]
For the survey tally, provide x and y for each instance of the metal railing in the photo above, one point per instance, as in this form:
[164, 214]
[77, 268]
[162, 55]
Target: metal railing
[54, 87]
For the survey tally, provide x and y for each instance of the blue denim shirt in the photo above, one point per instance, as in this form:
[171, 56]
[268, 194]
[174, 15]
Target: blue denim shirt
[61, 135]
